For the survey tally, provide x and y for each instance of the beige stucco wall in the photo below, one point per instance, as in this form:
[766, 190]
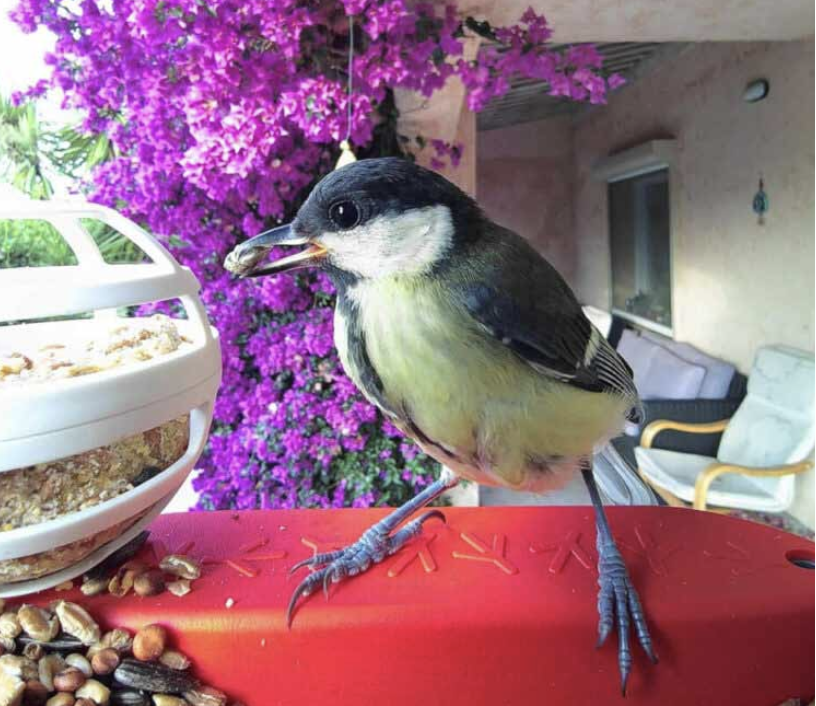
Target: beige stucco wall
[736, 285]
[524, 181]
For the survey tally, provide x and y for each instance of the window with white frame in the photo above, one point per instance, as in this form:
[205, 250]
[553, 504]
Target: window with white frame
[640, 248]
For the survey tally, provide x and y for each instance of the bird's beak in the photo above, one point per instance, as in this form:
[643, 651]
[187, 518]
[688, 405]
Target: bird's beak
[247, 259]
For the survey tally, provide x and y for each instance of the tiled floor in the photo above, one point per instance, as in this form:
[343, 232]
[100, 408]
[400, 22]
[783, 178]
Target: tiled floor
[783, 522]
[575, 494]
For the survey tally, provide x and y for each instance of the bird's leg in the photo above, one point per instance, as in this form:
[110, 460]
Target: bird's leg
[374, 545]
[617, 597]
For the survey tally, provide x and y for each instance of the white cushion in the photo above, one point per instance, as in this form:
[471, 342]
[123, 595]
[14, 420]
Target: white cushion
[774, 423]
[678, 472]
[638, 352]
[672, 378]
[785, 377]
[762, 435]
[718, 373]
[658, 373]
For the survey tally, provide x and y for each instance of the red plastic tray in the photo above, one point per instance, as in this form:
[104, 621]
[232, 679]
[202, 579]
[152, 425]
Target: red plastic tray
[496, 607]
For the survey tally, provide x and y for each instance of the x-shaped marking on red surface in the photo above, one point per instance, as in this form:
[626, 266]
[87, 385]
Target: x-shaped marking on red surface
[319, 547]
[744, 564]
[245, 554]
[567, 547]
[493, 555]
[419, 547]
[649, 548]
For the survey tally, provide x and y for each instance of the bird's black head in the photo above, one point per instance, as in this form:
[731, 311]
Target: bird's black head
[372, 218]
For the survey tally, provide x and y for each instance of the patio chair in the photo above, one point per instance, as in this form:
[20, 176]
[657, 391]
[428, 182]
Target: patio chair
[767, 442]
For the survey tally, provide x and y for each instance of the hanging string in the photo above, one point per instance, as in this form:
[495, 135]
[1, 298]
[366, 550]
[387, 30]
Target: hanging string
[346, 155]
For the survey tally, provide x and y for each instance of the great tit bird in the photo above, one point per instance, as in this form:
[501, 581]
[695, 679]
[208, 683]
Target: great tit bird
[471, 343]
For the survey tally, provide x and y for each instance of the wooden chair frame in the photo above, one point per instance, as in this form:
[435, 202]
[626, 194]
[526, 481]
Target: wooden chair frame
[707, 477]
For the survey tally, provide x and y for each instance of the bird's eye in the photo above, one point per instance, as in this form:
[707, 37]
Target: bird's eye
[344, 214]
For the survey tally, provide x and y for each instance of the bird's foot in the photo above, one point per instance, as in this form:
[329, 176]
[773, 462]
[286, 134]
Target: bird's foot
[619, 605]
[374, 545]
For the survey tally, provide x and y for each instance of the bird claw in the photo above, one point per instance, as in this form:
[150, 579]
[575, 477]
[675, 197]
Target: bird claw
[332, 567]
[316, 561]
[618, 607]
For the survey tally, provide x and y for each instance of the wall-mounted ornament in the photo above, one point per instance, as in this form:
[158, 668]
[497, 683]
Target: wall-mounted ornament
[756, 90]
[761, 203]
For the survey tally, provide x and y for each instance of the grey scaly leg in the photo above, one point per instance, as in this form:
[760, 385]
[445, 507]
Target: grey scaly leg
[617, 596]
[375, 544]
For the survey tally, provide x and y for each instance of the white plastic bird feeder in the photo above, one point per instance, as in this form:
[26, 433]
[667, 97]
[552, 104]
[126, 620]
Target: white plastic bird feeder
[48, 421]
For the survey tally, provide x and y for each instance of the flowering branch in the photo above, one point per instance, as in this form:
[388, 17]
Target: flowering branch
[221, 117]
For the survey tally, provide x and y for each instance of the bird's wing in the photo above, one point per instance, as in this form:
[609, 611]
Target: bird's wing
[524, 303]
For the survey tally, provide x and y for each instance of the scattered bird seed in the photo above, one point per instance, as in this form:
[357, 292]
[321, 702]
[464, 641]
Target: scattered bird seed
[153, 677]
[179, 588]
[105, 675]
[119, 557]
[77, 621]
[182, 566]
[149, 643]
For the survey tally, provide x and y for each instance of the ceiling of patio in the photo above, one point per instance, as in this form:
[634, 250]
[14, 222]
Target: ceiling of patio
[528, 100]
[658, 20]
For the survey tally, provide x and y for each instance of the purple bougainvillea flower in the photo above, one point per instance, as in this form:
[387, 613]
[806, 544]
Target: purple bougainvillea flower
[222, 115]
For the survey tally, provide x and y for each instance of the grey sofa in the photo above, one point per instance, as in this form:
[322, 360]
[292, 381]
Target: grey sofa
[720, 389]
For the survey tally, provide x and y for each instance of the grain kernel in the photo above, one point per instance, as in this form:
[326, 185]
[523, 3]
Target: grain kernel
[10, 625]
[206, 696]
[174, 660]
[18, 666]
[94, 587]
[38, 623]
[11, 690]
[119, 639]
[61, 700]
[95, 691]
[179, 588]
[77, 622]
[167, 700]
[47, 667]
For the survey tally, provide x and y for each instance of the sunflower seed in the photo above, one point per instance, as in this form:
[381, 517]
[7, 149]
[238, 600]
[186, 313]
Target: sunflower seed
[61, 643]
[153, 677]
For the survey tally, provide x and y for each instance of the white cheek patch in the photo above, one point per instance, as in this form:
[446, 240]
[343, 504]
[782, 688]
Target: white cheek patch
[406, 243]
